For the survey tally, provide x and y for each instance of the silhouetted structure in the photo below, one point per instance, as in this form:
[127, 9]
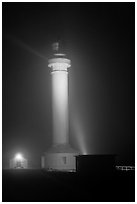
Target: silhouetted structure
[95, 164]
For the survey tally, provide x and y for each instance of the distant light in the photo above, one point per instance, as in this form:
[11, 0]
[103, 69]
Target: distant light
[19, 156]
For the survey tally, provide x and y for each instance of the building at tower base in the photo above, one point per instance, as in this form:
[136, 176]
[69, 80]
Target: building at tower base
[60, 158]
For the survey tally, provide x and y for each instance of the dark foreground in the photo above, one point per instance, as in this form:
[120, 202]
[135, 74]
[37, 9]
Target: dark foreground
[41, 186]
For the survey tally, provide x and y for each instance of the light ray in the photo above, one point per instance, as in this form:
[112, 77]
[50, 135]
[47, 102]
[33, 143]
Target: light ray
[79, 133]
[25, 46]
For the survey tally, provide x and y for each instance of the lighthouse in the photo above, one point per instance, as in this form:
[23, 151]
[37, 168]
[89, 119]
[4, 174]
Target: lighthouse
[60, 156]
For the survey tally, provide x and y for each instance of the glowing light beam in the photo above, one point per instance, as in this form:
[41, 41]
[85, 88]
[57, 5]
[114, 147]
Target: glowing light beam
[79, 133]
[25, 46]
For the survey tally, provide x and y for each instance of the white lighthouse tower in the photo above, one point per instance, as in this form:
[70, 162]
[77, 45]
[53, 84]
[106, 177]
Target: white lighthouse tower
[60, 156]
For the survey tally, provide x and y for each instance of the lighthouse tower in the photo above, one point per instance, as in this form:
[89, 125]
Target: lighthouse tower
[60, 156]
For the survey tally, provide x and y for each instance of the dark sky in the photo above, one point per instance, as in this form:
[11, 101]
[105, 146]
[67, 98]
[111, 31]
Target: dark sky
[99, 38]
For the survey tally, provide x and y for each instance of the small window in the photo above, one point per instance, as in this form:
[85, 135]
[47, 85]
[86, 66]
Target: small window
[64, 160]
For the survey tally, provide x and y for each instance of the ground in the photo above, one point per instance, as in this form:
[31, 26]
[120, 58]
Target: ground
[36, 185]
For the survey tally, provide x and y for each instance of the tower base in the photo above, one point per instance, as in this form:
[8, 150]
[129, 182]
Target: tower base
[59, 158]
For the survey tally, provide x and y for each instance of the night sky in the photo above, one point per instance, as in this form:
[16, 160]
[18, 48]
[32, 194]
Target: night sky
[99, 39]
